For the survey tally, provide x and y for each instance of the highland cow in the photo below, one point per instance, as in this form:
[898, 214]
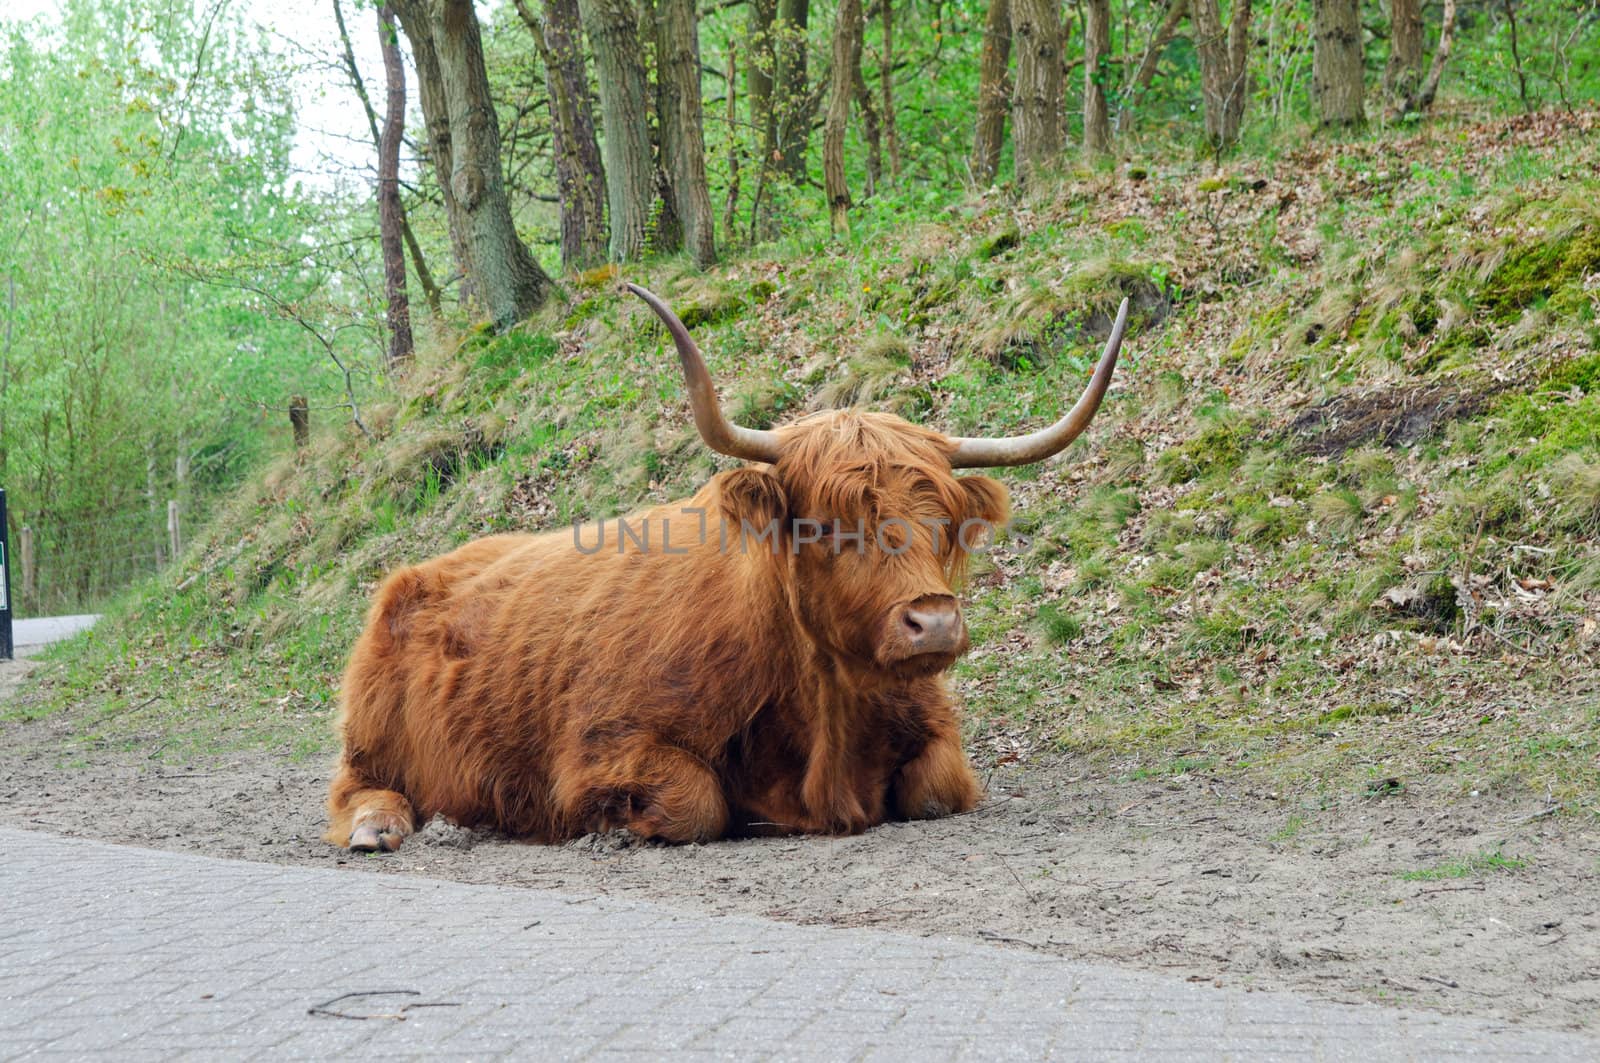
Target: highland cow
[686, 682]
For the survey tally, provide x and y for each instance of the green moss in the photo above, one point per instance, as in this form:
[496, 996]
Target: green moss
[1484, 510]
[1262, 329]
[1131, 229]
[1532, 273]
[936, 294]
[1423, 310]
[1220, 447]
[1462, 346]
[1581, 373]
[998, 244]
[582, 312]
[711, 308]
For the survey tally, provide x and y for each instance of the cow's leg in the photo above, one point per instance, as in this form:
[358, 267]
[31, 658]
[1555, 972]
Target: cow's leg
[365, 818]
[937, 781]
[666, 792]
[828, 791]
[682, 802]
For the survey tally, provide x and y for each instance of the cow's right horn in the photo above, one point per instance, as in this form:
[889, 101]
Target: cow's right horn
[720, 434]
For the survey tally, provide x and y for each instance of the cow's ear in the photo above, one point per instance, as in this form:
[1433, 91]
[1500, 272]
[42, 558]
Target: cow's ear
[754, 497]
[987, 500]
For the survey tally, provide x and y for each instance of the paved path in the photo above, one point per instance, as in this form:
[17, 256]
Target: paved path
[129, 954]
[31, 636]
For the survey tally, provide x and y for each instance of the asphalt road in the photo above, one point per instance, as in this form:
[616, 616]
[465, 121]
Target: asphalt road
[130, 954]
[31, 636]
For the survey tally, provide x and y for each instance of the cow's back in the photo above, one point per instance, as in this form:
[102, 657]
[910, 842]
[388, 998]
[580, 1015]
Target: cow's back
[398, 698]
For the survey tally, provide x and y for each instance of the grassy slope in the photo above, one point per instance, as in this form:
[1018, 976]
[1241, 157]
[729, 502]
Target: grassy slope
[1335, 526]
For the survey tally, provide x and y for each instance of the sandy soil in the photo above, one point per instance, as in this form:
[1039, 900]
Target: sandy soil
[1188, 876]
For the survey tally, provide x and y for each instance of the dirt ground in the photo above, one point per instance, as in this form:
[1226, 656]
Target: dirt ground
[1190, 876]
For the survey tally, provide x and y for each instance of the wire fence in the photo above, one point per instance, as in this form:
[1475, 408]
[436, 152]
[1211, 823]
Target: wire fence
[74, 564]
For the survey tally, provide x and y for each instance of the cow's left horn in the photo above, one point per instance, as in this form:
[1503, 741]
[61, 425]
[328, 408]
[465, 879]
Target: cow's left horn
[720, 434]
[981, 453]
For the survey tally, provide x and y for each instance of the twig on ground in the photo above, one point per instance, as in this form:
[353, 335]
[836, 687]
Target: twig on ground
[984, 807]
[129, 708]
[327, 1008]
[990, 935]
[1026, 892]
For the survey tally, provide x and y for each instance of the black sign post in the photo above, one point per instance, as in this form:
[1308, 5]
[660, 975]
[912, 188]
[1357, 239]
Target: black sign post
[6, 647]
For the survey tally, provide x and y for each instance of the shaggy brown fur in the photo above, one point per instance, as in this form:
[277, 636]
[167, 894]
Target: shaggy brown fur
[686, 690]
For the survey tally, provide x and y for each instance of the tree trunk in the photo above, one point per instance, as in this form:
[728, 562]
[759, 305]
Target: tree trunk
[1403, 73]
[847, 32]
[1096, 50]
[1224, 68]
[665, 232]
[1151, 60]
[886, 77]
[682, 125]
[1041, 85]
[758, 74]
[390, 238]
[871, 132]
[730, 209]
[1336, 62]
[580, 176]
[993, 93]
[1441, 55]
[507, 278]
[791, 116]
[413, 15]
[1516, 56]
[430, 290]
[613, 33]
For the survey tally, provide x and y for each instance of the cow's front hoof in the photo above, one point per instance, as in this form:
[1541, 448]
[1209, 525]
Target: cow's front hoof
[367, 838]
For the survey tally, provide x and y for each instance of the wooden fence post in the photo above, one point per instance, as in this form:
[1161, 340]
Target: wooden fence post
[174, 531]
[28, 585]
[300, 419]
[5, 585]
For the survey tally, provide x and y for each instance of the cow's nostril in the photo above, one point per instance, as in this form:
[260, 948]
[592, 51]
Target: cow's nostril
[929, 628]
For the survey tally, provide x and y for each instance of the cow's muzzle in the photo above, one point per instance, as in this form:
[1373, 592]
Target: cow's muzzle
[926, 631]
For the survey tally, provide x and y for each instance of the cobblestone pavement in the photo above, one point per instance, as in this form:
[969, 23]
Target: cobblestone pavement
[130, 954]
[31, 636]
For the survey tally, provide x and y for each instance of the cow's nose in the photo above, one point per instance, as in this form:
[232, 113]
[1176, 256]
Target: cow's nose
[933, 625]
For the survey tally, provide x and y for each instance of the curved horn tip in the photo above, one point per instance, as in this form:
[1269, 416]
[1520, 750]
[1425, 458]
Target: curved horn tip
[720, 434]
[1037, 446]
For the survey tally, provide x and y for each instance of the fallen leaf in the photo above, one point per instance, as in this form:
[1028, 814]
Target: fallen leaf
[1402, 597]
